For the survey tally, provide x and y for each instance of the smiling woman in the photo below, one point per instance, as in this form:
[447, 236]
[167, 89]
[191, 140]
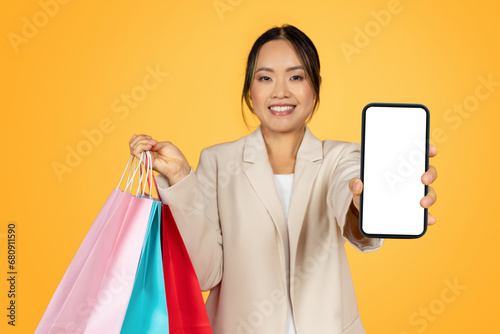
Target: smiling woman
[267, 239]
[304, 57]
[281, 97]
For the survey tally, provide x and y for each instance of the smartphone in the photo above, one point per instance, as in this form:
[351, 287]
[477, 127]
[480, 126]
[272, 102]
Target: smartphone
[394, 155]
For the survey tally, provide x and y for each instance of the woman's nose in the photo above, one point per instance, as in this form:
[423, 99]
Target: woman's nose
[280, 89]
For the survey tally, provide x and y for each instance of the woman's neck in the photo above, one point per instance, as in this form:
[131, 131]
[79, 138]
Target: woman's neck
[282, 148]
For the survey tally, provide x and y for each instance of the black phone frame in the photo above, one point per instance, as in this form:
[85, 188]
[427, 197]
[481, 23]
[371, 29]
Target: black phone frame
[393, 105]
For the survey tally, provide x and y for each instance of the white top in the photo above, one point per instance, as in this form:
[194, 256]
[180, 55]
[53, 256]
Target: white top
[284, 185]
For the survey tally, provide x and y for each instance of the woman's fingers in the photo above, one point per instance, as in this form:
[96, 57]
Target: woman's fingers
[140, 143]
[429, 176]
[432, 150]
[131, 140]
[167, 159]
[160, 145]
[431, 220]
[428, 199]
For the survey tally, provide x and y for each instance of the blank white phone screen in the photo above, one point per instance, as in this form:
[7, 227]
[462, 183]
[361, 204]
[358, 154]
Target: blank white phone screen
[394, 161]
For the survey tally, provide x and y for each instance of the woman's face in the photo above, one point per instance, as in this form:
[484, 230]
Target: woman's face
[281, 95]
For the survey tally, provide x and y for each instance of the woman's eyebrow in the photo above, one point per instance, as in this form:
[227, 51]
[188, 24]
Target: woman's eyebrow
[298, 67]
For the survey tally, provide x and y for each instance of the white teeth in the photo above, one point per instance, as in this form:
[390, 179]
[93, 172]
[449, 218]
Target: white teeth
[284, 108]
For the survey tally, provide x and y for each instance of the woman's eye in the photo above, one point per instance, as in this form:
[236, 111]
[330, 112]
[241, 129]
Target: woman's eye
[296, 77]
[264, 78]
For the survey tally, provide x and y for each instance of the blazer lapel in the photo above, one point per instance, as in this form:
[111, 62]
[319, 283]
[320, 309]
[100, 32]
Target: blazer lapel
[307, 164]
[260, 174]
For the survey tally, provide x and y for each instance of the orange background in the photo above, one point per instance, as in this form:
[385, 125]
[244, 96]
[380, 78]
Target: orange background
[68, 73]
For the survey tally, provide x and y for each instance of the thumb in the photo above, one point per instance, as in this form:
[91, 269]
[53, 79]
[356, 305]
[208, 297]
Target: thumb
[159, 145]
[356, 186]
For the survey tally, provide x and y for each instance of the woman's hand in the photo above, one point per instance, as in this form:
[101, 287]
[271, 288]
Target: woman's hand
[168, 160]
[428, 177]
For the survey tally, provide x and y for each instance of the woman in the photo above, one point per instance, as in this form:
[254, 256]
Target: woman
[265, 217]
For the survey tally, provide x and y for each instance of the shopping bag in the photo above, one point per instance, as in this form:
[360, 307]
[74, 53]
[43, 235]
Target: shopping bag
[147, 308]
[93, 294]
[117, 203]
[186, 310]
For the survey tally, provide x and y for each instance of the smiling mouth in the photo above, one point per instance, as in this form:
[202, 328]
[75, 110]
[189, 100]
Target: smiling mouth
[281, 110]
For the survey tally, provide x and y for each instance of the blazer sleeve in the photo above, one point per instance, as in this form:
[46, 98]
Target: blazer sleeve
[193, 202]
[340, 197]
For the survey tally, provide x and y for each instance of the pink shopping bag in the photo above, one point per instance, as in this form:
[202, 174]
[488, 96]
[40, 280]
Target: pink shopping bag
[93, 294]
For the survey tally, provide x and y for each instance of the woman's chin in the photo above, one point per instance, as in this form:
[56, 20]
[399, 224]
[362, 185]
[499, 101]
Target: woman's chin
[282, 126]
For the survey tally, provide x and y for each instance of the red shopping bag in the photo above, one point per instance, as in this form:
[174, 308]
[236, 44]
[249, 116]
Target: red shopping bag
[186, 310]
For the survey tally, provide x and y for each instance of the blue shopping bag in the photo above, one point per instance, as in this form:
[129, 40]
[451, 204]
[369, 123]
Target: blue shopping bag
[147, 308]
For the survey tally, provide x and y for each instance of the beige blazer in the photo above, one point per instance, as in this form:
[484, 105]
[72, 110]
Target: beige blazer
[233, 224]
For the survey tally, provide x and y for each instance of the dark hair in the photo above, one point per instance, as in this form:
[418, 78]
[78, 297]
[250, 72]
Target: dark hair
[304, 48]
